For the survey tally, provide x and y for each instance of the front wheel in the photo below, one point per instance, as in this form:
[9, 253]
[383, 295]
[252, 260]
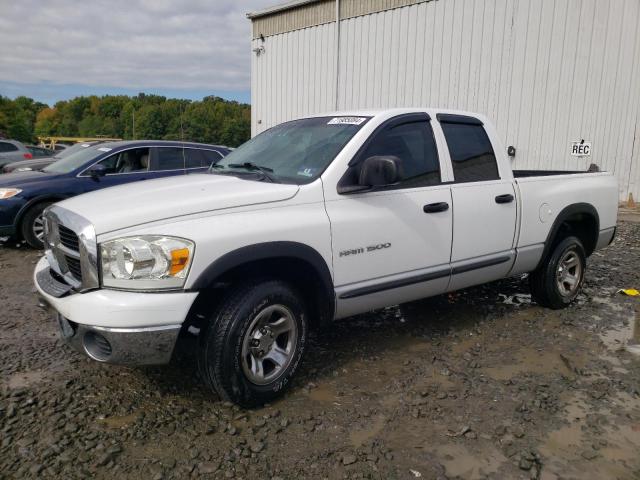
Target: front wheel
[253, 344]
[558, 281]
[32, 227]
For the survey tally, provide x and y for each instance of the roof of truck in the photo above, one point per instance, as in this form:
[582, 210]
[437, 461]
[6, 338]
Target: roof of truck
[394, 111]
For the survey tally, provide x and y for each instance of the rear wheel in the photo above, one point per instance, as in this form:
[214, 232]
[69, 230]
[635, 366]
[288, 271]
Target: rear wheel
[32, 227]
[558, 281]
[254, 342]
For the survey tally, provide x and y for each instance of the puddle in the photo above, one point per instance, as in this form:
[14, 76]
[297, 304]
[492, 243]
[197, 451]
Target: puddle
[118, 422]
[530, 360]
[627, 336]
[25, 379]
[323, 393]
[614, 449]
[461, 463]
[358, 437]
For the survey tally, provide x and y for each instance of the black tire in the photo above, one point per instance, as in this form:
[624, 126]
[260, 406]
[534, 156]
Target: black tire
[547, 287]
[221, 343]
[28, 223]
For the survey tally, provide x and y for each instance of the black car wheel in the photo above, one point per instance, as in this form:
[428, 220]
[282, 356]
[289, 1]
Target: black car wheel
[32, 226]
[557, 282]
[253, 343]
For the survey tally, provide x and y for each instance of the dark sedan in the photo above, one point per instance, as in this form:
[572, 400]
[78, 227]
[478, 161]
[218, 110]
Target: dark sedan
[24, 195]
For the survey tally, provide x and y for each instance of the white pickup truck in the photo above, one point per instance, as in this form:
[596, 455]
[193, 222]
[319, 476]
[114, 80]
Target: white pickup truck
[312, 221]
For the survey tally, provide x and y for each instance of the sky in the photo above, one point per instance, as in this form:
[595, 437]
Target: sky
[53, 50]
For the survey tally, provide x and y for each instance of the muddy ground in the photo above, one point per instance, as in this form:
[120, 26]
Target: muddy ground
[477, 384]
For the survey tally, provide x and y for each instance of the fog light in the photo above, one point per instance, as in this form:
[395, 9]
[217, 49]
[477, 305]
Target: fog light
[96, 346]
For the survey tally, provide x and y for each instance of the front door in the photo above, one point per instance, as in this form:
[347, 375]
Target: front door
[125, 166]
[484, 205]
[393, 245]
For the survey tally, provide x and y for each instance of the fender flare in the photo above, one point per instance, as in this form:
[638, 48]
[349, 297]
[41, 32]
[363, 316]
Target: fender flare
[264, 251]
[566, 213]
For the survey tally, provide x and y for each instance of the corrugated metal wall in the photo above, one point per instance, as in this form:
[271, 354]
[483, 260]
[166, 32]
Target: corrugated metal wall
[548, 73]
[308, 15]
[295, 75]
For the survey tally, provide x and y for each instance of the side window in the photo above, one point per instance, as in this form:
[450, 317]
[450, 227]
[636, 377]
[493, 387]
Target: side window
[471, 152]
[128, 161]
[414, 147]
[7, 147]
[210, 157]
[193, 158]
[201, 158]
[169, 158]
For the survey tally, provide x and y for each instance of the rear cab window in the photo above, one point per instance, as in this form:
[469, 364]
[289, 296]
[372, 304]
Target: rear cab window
[472, 155]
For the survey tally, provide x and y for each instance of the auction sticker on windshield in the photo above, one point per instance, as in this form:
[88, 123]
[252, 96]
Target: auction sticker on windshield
[105, 149]
[346, 121]
[307, 172]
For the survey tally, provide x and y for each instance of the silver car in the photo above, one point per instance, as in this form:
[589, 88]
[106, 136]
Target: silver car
[40, 163]
[13, 151]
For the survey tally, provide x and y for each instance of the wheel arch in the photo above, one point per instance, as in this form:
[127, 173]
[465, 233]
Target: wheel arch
[299, 263]
[579, 219]
[27, 206]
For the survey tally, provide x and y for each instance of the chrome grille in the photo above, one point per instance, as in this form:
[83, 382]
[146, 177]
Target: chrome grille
[68, 238]
[74, 267]
[72, 248]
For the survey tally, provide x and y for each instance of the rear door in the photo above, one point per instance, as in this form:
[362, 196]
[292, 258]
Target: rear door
[484, 206]
[393, 244]
[167, 161]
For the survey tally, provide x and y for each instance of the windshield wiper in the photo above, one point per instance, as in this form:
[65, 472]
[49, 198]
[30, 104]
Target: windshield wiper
[252, 167]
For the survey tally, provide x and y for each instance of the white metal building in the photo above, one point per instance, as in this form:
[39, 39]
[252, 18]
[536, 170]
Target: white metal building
[548, 72]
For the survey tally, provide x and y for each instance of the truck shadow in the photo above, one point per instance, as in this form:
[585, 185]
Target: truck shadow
[363, 336]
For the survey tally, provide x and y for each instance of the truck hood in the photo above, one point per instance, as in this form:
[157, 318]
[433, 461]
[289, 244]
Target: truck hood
[147, 201]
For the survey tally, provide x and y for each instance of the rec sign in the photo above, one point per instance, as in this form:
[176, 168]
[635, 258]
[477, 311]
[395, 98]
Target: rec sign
[581, 149]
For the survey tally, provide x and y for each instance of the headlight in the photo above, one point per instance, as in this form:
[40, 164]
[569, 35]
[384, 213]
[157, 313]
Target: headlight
[9, 192]
[147, 262]
[24, 169]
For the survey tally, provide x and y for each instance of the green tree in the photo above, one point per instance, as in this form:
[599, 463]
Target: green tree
[211, 120]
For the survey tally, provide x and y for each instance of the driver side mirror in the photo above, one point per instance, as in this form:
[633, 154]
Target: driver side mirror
[379, 170]
[97, 171]
[375, 171]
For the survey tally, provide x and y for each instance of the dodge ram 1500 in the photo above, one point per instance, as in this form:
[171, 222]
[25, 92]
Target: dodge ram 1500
[314, 220]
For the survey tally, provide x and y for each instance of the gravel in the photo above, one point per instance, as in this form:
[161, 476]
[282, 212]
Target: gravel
[480, 383]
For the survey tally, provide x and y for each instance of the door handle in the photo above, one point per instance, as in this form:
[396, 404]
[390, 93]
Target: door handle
[436, 207]
[506, 198]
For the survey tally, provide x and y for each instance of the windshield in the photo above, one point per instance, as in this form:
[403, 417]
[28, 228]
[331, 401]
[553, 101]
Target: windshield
[293, 152]
[76, 160]
[71, 150]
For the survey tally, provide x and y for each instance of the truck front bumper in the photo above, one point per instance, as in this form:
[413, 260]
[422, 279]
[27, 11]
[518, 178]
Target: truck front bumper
[130, 328]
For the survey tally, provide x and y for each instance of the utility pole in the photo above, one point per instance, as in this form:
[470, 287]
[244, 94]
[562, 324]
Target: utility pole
[133, 122]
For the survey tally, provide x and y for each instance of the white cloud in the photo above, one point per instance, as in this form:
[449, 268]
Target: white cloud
[189, 44]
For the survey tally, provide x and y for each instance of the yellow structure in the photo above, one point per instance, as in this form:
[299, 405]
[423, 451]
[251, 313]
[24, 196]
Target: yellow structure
[50, 142]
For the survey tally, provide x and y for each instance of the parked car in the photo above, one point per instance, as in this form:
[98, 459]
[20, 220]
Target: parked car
[40, 163]
[24, 195]
[312, 221]
[39, 152]
[13, 151]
